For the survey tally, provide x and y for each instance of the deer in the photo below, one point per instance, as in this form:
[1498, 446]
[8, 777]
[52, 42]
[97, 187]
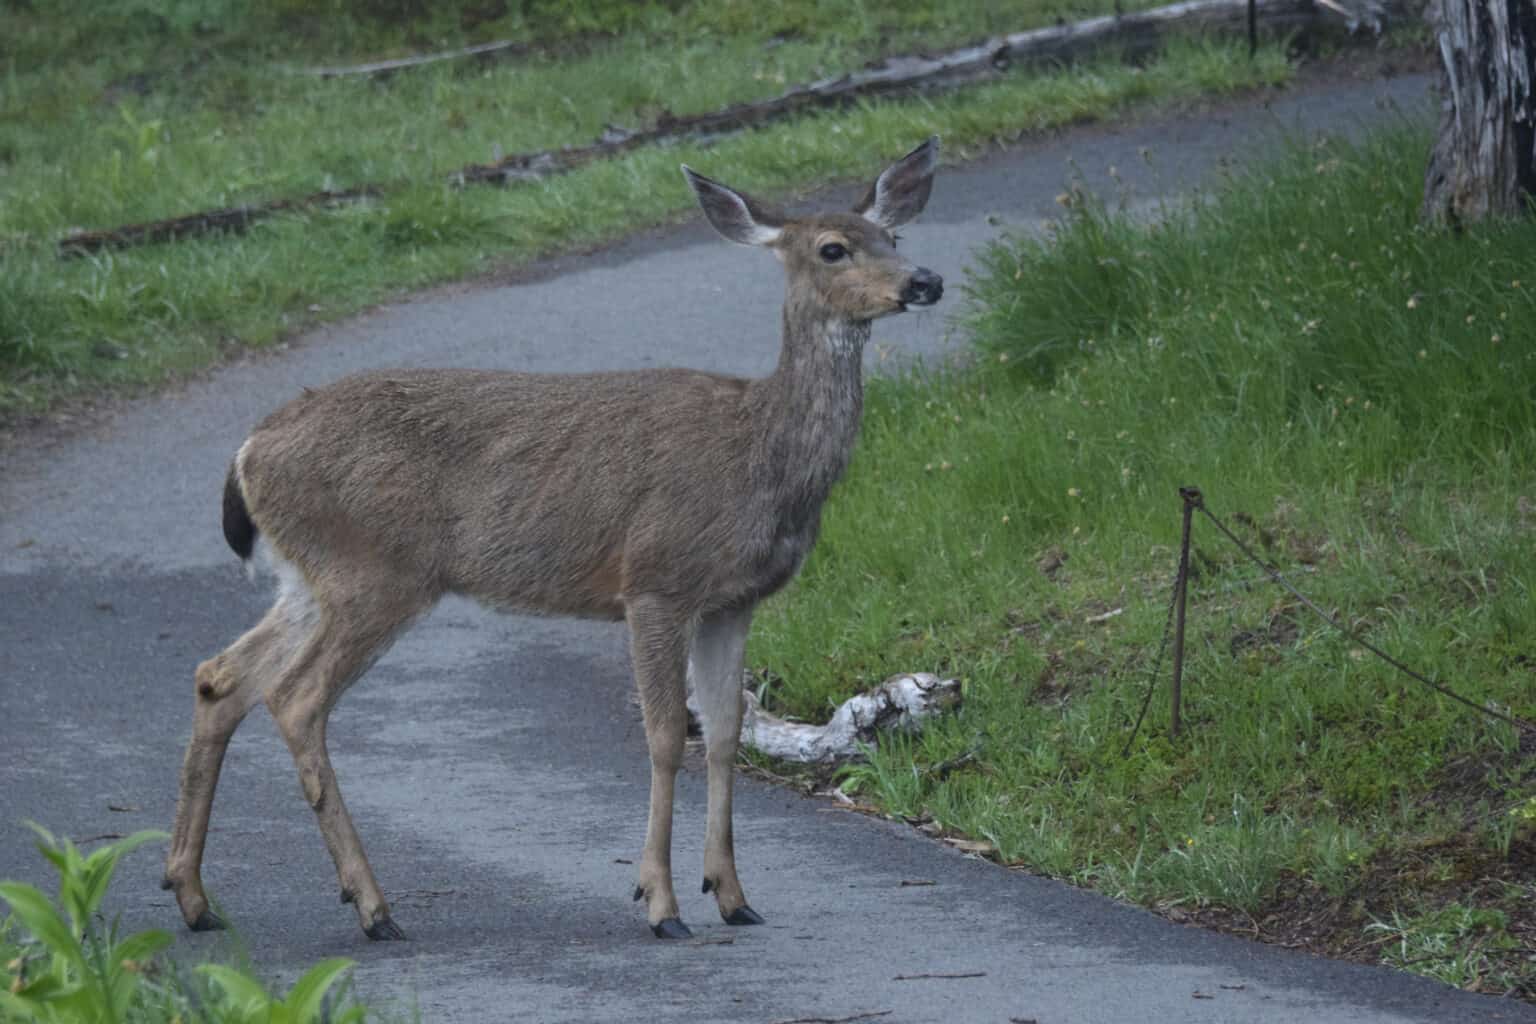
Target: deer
[674, 500]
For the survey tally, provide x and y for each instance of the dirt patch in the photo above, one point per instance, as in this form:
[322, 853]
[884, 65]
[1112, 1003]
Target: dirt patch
[1374, 922]
[1279, 630]
[1400, 910]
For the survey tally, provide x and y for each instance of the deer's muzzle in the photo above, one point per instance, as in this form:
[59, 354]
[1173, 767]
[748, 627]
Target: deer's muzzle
[923, 288]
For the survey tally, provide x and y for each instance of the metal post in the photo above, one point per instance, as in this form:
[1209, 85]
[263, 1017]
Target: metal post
[1191, 496]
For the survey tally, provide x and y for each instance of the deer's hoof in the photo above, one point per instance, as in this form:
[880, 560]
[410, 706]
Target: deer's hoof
[671, 928]
[384, 930]
[744, 915]
[207, 921]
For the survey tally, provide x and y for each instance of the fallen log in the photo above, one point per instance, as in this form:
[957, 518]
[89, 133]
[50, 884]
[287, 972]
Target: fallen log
[384, 68]
[1136, 34]
[901, 703]
[233, 219]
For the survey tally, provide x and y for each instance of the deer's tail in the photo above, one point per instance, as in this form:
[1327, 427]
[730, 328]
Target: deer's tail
[239, 530]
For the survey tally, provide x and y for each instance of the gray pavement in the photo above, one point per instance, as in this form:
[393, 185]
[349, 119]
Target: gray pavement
[496, 766]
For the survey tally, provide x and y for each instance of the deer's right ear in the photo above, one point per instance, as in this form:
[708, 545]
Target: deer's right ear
[737, 217]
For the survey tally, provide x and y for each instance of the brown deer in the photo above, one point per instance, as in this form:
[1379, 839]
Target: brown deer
[673, 499]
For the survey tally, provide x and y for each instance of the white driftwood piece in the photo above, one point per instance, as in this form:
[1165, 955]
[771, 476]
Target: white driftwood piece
[901, 703]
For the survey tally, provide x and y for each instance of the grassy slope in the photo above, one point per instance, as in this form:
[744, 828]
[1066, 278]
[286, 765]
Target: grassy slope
[96, 130]
[1354, 394]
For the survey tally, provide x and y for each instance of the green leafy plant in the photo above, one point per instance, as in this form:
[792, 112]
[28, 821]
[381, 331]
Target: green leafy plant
[84, 972]
[246, 1001]
[72, 968]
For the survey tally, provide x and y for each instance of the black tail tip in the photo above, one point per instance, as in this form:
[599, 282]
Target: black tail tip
[239, 530]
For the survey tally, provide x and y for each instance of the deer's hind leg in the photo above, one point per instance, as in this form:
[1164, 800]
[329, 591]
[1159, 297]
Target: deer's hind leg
[356, 623]
[719, 652]
[227, 687]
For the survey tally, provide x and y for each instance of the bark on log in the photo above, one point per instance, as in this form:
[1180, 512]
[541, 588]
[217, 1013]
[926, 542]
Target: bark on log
[901, 703]
[1484, 161]
[1135, 34]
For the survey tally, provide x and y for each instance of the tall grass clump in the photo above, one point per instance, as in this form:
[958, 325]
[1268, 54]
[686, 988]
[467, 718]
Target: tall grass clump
[1356, 395]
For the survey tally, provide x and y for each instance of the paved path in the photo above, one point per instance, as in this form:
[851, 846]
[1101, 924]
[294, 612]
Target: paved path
[496, 767]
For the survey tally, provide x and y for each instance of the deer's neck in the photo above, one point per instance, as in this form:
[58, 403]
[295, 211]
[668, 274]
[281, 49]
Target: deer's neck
[806, 414]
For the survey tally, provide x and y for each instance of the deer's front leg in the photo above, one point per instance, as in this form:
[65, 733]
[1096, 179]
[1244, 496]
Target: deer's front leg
[658, 638]
[719, 651]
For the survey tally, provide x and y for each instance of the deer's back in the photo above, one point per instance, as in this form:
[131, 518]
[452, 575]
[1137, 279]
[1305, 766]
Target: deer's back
[554, 493]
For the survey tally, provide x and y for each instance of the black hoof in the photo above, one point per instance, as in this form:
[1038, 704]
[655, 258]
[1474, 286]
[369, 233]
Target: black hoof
[208, 921]
[744, 915]
[639, 893]
[384, 930]
[346, 896]
[672, 928]
[709, 885]
[167, 884]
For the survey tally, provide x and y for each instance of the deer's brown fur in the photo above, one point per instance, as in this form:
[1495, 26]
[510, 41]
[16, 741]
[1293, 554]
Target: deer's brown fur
[674, 499]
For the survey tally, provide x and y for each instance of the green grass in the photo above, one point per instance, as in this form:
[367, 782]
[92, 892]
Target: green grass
[113, 114]
[1355, 396]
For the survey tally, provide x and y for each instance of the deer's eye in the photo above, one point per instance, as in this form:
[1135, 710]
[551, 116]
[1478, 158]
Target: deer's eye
[833, 251]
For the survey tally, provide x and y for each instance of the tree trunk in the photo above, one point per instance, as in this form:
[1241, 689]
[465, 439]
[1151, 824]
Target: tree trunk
[1484, 161]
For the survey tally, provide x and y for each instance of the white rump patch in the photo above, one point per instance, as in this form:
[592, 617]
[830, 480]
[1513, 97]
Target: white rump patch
[294, 598]
[240, 462]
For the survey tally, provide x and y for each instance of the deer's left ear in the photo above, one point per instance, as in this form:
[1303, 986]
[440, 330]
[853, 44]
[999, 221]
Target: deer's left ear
[901, 191]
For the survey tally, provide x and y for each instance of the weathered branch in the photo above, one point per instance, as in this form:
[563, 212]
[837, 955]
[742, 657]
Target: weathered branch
[1135, 34]
[900, 703]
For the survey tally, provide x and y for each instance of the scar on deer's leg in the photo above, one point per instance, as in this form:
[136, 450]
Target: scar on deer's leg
[719, 651]
[227, 686]
[343, 645]
[659, 650]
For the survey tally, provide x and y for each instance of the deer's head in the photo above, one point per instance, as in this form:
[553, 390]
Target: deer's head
[845, 263]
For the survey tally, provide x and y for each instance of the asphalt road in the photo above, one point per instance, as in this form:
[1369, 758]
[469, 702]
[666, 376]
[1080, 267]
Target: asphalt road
[496, 766]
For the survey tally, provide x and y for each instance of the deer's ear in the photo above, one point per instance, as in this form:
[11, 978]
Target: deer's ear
[738, 217]
[901, 191]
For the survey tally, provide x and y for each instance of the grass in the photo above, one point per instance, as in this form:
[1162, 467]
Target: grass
[119, 113]
[1354, 395]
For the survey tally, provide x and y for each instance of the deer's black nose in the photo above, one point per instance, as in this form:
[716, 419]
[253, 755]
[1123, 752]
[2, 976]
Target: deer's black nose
[924, 288]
